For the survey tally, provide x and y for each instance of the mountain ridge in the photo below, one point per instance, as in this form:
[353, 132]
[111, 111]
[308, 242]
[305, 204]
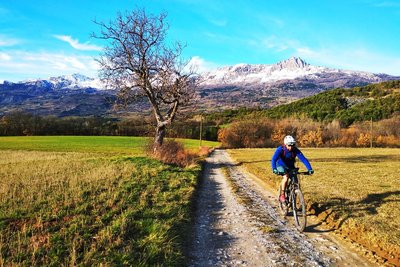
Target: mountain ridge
[265, 86]
[73, 81]
[288, 69]
[229, 87]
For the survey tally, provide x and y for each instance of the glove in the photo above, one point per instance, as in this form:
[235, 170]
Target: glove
[310, 172]
[275, 171]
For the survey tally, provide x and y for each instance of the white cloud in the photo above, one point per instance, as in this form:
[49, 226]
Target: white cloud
[75, 43]
[272, 42]
[355, 58]
[4, 57]
[6, 41]
[200, 65]
[18, 65]
[75, 63]
[340, 56]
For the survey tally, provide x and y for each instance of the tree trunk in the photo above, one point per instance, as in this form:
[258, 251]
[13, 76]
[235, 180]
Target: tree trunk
[160, 134]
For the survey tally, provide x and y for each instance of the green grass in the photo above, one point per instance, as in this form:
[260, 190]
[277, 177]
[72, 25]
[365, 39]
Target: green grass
[119, 145]
[358, 189]
[95, 144]
[91, 201]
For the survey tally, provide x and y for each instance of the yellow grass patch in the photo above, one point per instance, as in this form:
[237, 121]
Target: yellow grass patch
[30, 175]
[91, 209]
[355, 190]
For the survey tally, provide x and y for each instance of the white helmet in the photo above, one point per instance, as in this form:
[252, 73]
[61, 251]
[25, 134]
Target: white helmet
[289, 140]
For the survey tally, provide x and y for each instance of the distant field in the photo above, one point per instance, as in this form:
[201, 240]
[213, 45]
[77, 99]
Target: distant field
[91, 201]
[119, 145]
[357, 190]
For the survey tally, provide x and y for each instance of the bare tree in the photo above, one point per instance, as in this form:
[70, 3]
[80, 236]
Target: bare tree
[137, 62]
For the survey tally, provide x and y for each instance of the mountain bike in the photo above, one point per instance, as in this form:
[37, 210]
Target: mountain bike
[295, 199]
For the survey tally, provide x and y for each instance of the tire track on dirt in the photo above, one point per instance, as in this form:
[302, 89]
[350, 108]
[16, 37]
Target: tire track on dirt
[244, 229]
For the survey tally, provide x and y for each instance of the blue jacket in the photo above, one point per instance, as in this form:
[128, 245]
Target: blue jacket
[285, 158]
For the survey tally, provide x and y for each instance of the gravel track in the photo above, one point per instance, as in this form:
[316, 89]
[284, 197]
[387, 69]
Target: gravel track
[237, 224]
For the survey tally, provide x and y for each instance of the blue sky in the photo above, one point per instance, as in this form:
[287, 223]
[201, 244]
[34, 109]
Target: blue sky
[44, 38]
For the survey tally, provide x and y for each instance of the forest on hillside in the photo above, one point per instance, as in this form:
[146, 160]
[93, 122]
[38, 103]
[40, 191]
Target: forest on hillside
[361, 116]
[372, 102]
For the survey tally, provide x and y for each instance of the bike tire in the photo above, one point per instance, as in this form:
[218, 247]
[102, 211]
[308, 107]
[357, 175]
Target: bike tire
[299, 210]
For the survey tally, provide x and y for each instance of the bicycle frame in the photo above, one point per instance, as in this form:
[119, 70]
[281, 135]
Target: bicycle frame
[295, 199]
[294, 182]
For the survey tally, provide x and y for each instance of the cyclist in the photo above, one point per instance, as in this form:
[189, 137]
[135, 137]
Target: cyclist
[283, 161]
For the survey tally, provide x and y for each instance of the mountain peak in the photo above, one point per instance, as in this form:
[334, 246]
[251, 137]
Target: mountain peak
[71, 78]
[75, 81]
[292, 63]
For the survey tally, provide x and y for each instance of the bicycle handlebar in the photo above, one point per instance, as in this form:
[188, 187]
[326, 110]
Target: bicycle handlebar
[297, 172]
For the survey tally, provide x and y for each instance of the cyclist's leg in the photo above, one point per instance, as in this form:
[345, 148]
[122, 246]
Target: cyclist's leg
[282, 187]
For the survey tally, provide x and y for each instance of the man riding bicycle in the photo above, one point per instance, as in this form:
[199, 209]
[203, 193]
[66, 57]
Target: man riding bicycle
[283, 161]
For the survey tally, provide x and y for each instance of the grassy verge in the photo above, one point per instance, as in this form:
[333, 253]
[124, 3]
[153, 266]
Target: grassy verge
[93, 206]
[354, 190]
[118, 145]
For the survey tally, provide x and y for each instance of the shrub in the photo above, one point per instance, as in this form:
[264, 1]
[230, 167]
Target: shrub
[364, 140]
[278, 135]
[387, 141]
[204, 151]
[172, 152]
[312, 138]
[249, 133]
[269, 133]
[348, 137]
[231, 137]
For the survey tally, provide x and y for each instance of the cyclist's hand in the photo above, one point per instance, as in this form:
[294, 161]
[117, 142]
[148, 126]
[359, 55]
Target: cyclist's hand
[311, 172]
[275, 171]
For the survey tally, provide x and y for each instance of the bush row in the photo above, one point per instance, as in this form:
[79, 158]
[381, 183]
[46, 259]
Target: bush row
[254, 133]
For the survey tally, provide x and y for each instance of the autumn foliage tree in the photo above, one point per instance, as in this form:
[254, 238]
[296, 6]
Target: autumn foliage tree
[138, 63]
[270, 133]
[277, 135]
[249, 133]
[312, 138]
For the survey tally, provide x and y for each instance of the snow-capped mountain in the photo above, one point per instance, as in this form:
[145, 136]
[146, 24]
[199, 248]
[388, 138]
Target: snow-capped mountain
[289, 69]
[241, 85]
[68, 95]
[74, 81]
[263, 86]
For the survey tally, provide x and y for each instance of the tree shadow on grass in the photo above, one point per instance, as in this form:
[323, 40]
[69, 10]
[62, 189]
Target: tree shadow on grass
[314, 228]
[255, 161]
[341, 209]
[360, 159]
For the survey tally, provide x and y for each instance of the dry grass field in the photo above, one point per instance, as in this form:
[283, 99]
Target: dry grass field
[356, 191]
[91, 201]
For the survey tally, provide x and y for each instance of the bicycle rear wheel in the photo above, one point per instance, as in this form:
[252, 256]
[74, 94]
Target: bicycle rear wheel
[299, 210]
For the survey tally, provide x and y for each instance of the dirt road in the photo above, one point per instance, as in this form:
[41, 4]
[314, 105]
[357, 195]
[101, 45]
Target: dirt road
[238, 224]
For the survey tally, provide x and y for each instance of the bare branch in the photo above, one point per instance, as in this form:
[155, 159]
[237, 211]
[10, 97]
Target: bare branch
[137, 62]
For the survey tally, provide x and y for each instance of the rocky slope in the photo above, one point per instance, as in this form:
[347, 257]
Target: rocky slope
[269, 85]
[61, 96]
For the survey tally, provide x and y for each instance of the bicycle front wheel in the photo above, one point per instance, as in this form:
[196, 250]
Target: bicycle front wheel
[299, 210]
